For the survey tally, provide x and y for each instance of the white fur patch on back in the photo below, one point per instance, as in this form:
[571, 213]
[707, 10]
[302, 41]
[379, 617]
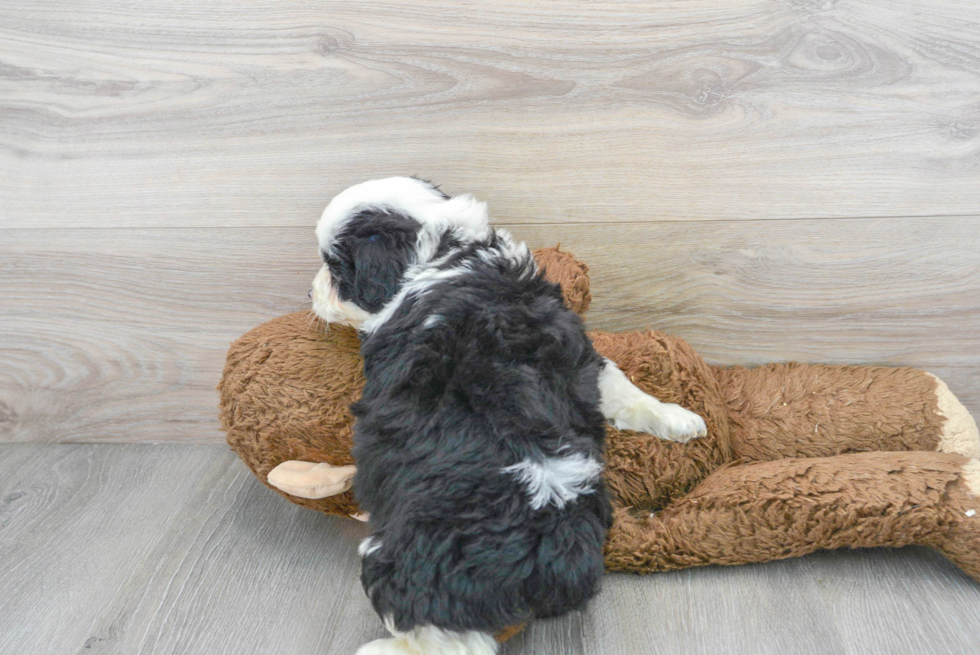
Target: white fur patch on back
[556, 480]
[368, 546]
[429, 640]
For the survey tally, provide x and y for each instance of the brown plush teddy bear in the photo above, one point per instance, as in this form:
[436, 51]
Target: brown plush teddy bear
[797, 457]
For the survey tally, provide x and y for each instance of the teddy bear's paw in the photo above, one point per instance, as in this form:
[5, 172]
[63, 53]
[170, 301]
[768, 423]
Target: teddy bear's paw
[664, 420]
[312, 480]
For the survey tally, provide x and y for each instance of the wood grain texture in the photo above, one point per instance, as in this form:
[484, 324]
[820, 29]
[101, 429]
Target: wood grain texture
[120, 335]
[930, 598]
[855, 602]
[717, 610]
[211, 113]
[179, 550]
[167, 549]
[77, 523]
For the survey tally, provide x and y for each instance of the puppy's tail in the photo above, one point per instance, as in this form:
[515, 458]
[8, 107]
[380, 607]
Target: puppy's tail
[429, 640]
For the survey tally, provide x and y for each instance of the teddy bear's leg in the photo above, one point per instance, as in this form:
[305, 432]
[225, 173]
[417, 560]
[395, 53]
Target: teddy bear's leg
[311, 479]
[786, 508]
[962, 545]
[816, 410]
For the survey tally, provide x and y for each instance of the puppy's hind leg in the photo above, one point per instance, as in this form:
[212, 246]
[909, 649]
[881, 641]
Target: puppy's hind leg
[629, 408]
[429, 640]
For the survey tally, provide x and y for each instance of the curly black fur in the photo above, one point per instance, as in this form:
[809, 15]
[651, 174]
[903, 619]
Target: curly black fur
[372, 253]
[481, 371]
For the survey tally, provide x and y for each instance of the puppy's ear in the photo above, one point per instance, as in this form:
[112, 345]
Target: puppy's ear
[380, 261]
[371, 256]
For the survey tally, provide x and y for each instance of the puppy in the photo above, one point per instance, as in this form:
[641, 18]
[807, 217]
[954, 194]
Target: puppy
[479, 435]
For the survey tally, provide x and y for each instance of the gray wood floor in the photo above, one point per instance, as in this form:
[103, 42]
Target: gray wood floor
[177, 549]
[155, 549]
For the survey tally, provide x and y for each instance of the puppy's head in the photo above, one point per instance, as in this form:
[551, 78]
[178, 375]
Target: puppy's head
[374, 233]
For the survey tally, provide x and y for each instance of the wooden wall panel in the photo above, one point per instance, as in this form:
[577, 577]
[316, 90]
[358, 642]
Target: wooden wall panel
[191, 113]
[120, 335]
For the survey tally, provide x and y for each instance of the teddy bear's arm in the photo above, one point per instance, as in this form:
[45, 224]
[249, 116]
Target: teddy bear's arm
[791, 507]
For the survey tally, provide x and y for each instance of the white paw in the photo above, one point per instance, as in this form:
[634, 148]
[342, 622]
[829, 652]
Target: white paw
[395, 646]
[664, 420]
[427, 640]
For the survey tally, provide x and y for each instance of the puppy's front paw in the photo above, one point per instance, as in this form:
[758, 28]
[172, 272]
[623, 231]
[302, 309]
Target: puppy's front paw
[387, 647]
[681, 424]
[664, 420]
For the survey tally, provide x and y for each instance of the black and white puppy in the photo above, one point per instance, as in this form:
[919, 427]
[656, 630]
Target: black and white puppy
[479, 435]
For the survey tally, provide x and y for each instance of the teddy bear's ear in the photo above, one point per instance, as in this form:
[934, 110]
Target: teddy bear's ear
[568, 272]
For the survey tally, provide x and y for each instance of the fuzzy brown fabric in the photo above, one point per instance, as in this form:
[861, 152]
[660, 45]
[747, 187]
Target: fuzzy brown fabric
[286, 394]
[797, 458]
[813, 410]
[560, 266]
[790, 507]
